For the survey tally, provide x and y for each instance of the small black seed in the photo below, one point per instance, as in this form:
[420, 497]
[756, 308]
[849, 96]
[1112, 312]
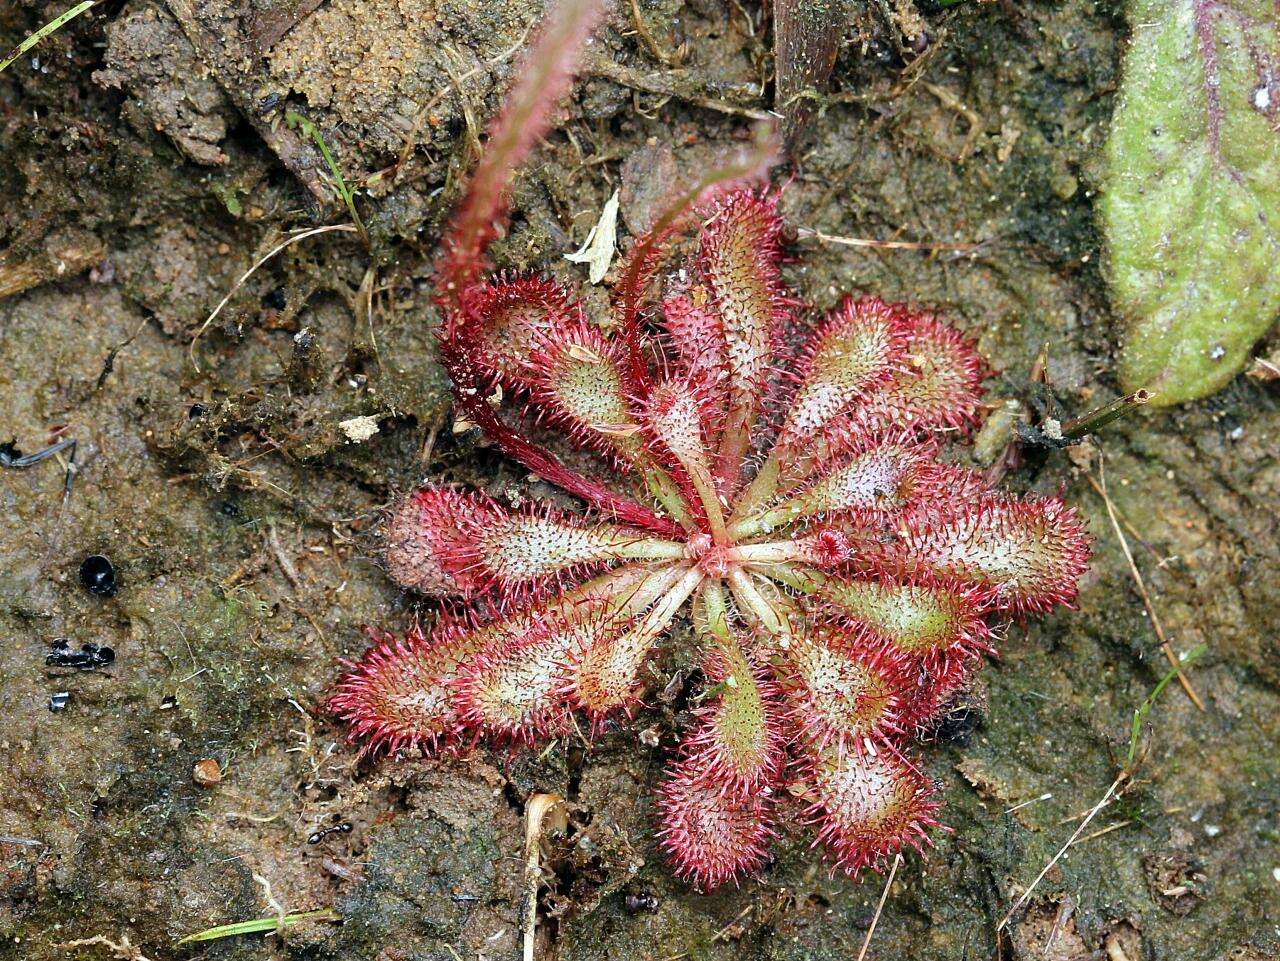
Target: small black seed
[196, 410]
[59, 700]
[98, 576]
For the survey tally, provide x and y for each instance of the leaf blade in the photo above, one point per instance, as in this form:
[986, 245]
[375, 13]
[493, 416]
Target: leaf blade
[1191, 194]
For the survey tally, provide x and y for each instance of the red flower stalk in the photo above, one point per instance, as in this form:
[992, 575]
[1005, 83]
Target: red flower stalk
[841, 582]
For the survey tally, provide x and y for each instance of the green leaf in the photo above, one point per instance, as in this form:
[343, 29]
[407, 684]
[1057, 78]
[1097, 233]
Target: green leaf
[259, 926]
[1191, 195]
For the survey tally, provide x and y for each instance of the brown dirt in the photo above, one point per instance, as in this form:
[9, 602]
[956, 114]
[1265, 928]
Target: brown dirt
[242, 520]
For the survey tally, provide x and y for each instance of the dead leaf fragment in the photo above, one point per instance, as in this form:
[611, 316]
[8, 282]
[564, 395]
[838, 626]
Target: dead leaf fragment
[598, 249]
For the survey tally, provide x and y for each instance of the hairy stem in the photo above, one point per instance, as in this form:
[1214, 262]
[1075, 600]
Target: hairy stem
[655, 620]
[651, 549]
[795, 576]
[709, 497]
[711, 622]
[711, 610]
[764, 522]
[544, 78]
[645, 592]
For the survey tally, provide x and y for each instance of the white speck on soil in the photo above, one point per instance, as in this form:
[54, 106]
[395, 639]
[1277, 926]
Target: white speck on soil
[359, 429]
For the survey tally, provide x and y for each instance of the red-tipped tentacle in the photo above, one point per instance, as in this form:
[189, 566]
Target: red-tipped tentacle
[399, 695]
[604, 677]
[866, 808]
[443, 541]
[1027, 554]
[712, 836]
[542, 462]
[844, 687]
[642, 263]
[738, 260]
[938, 386]
[881, 474]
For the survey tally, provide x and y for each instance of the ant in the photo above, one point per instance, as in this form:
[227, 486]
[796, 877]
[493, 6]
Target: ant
[90, 657]
[315, 837]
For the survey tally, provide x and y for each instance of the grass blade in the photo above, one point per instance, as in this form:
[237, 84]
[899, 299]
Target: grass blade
[259, 925]
[53, 26]
[296, 120]
[1143, 709]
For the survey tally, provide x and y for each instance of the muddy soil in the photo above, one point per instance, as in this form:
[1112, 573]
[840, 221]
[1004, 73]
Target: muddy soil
[235, 475]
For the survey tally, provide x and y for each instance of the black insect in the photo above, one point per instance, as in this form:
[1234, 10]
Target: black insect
[90, 657]
[642, 900]
[315, 837]
[59, 700]
[13, 459]
[98, 575]
[958, 724]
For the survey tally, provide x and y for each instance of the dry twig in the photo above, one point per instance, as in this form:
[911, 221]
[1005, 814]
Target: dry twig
[803, 232]
[949, 99]
[1174, 662]
[884, 896]
[122, 950]
[650, 41]
[344, 228]
[1106, 798]
[664, 85]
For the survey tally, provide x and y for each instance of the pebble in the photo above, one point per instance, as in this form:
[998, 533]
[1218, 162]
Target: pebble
[207, 772]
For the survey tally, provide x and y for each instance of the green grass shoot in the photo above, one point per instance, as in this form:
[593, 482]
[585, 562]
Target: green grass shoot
[53, 26]
[309, 129]
[259, 926]
[1140, 714]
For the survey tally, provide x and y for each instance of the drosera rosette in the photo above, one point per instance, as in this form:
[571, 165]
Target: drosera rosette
[840, 579]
